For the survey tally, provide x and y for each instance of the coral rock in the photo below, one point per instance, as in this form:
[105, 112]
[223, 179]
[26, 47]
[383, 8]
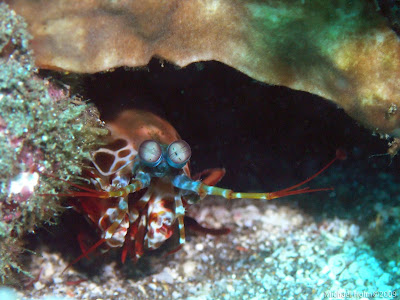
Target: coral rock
[42, 130]
[341, 50]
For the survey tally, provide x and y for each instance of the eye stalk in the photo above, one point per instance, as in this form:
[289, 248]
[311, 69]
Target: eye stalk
[178, 154]
[150, 153]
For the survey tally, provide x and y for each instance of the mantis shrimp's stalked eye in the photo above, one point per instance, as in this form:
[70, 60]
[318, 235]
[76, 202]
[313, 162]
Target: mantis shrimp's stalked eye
[150, 153]
[178, 154]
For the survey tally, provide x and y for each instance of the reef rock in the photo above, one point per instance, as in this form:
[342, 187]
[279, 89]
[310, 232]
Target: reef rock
[341, 50]
[43, 130]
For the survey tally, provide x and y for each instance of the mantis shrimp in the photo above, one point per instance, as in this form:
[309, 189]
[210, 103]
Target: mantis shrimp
[141, 185]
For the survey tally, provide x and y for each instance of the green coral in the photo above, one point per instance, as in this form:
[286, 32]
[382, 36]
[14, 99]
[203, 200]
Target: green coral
[41, 127]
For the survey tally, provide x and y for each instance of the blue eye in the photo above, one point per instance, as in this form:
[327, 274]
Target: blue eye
[150, 153]
[178, 154]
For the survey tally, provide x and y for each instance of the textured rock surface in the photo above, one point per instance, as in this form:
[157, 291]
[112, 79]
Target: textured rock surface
[42, 130]
[273, 252]
[343, 51]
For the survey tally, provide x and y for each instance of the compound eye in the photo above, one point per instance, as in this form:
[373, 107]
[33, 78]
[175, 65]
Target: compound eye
[150, 153]
[178, 154]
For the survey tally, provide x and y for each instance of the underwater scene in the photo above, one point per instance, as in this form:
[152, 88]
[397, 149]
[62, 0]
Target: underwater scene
[199, 149]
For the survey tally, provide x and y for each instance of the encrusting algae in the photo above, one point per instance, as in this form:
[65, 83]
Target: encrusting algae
[43, 130]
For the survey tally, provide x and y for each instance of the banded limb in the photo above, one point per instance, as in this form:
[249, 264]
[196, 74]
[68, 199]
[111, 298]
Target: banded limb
[140, 182]
[180, 214]
[198, 187]
[212, 176]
